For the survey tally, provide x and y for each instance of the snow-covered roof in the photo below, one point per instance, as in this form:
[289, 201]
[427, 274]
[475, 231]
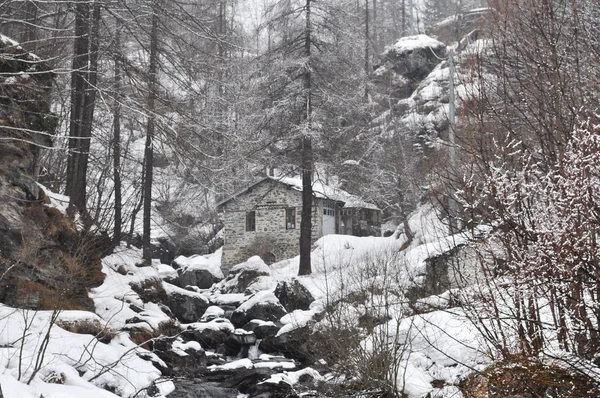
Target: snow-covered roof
[320, 190]
[324, 191]
[410, 43]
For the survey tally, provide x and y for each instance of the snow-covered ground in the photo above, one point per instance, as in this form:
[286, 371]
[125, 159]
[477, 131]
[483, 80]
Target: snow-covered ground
[439, 345]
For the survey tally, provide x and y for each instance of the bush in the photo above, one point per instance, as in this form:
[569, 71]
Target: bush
[150, 290]
[528, 377]
[95, 328]
[143, 337]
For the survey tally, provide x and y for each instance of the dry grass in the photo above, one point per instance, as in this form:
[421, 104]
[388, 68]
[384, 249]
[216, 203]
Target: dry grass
[95, 328]
[527, 377]
[143, 337]
[150, 290]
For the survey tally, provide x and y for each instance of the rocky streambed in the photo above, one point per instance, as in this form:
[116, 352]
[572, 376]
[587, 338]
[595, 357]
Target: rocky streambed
[244, 335]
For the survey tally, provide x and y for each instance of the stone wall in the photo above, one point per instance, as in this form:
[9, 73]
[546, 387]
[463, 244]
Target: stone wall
[271, 240]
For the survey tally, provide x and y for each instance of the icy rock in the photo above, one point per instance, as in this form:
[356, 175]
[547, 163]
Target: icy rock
[244, 275]
[180, 361]
[200, 388]
[210, 334]
[201, 278]
[407, 63]
[293, 295]
[186, 306]
[263, 305]
[199, 271]
[262, 329]
[243, 337]
[272, 390]
[212, 312]
[292, 344]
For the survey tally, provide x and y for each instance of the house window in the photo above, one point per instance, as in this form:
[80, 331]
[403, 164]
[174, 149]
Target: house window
[251, 221]
[329, 208]
[290, 218]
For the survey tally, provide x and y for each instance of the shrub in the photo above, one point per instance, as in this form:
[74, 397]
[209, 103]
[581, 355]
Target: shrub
[150, 290]
[529, 377]
[95, 328]
[143, 337]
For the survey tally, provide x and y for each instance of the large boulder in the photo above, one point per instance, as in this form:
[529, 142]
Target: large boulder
[405, 64]
[293, 295]
[182, 359]
[262, 329]
[211, 334]
[252, 276]
[292, 343]
[199, 271]
[280, 389]
[187, 306]
[262, 305]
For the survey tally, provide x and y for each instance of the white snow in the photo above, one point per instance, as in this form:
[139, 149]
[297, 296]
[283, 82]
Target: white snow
[240, 363]
[292, 378]
[411, 43]
[113, 298]
[212, 312]
[299, 318]
[262, 297]
[180, 347]
[67, 355]
[58, 201]
[247, 363]
[210, 263]
[326, 191]
[216, 324]
[166, 271]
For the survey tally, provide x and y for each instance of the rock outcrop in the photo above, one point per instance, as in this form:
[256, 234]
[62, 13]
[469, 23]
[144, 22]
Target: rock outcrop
[405, 64]
[42, 264]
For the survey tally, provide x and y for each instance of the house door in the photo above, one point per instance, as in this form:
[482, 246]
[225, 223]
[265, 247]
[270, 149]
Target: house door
[329, 218]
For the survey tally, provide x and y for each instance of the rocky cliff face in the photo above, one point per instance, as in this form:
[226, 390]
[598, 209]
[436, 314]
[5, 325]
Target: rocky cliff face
[38, 263]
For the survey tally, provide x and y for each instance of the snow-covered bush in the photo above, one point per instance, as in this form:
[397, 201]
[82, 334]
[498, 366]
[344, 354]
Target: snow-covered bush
[544, 298]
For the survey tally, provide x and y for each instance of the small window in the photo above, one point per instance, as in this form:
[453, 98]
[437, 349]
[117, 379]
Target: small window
[251, 221]
[290, 218]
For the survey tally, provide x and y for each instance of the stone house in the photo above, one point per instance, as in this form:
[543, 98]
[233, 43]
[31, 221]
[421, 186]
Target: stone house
[264, 219]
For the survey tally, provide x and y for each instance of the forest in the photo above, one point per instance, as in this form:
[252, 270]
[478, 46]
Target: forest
[481, 114]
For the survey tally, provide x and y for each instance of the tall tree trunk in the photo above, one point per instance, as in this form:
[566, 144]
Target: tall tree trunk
[367, 55]
[150, 129]
[374, 25]
[30, 28]
[78, 87]
[307, 156]
[117, 137]
[83, 101]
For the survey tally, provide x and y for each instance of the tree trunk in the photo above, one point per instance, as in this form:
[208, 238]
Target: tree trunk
[117, 138]
[307, 157]
[367, 55]
[78, 88]
[149, 150]
[83, 101]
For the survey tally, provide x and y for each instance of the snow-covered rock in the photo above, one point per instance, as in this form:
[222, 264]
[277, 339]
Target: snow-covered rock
[293, 295]
[210, 334]
[263, 305]
[243, 276]
[405, 64]
[199, 271]
[262, 329]
[186, 305]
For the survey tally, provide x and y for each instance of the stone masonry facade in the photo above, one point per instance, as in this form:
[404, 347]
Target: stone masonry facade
[271, 239]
